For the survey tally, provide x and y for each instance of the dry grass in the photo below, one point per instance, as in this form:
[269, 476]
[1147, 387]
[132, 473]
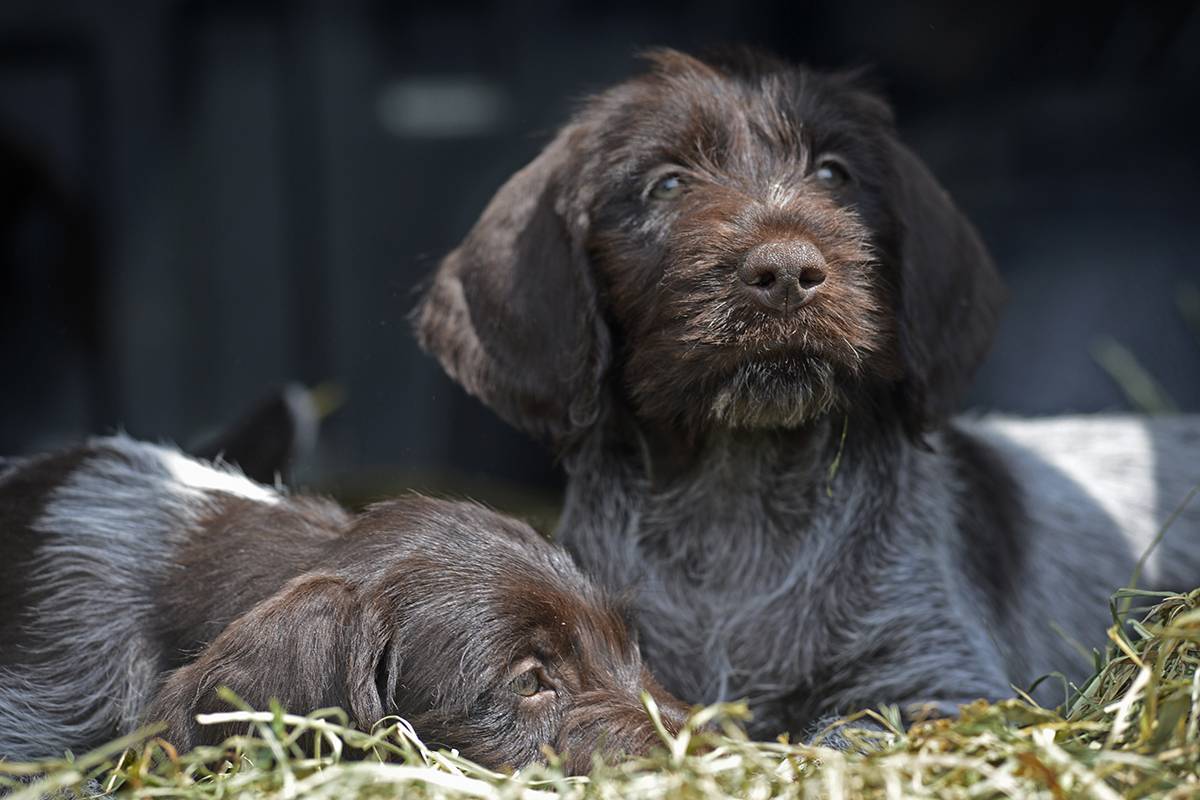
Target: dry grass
[1132, 731]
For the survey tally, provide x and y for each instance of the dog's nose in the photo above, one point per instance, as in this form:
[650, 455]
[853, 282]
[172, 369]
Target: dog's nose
[783, 276]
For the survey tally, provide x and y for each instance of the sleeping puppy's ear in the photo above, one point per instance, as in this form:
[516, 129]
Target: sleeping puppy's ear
[950, 293]
[512, 313]
[314, 644]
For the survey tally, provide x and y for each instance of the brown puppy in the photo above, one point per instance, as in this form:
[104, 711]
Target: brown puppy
[138, 580]
[742, 312]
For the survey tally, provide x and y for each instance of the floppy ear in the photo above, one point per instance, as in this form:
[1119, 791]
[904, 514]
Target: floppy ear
[950, 293]
[512, 312]
[314, 644]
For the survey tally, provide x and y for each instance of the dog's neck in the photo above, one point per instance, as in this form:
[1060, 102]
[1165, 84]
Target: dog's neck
[680, 497]
[814, 456]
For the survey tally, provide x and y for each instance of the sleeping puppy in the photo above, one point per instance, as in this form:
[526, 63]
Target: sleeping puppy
[135, 581]
[742, 312]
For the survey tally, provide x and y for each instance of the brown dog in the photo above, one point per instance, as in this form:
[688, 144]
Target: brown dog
[742, 311]
[136, 581]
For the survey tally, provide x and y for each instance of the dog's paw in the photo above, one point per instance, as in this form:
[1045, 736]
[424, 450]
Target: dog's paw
[858, 735]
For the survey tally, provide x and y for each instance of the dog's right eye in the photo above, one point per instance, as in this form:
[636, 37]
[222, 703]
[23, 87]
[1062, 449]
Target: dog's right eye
[526, 684]
[667, 187]
[832, 172]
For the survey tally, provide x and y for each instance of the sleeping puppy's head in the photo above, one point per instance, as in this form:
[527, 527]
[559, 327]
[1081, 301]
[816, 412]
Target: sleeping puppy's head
[466, 623]
[731, 242]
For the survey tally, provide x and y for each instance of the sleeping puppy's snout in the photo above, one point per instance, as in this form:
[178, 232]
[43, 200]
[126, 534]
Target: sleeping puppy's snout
[612, 723]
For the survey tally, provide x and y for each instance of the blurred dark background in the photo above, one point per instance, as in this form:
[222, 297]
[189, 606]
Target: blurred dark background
[201, 199]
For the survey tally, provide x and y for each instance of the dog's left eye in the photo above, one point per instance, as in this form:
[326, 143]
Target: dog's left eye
[832, 173]
[667, 187]
[526, 684]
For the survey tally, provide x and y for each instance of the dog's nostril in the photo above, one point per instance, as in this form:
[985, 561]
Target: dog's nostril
[810, 275]
[758, 275]
[764, 279]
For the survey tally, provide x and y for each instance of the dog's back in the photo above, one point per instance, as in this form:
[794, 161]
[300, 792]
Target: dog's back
[1095, 493]
[85, 535]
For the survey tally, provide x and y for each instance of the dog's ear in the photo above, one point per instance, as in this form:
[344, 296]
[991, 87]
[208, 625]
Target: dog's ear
[512, 312]
[266, 441]
[314, 644]
[950, 293]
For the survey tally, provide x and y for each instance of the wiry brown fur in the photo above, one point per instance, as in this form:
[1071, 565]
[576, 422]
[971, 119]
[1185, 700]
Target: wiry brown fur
[742, 311]
[168, 578]
[687, 329]
[644, 305]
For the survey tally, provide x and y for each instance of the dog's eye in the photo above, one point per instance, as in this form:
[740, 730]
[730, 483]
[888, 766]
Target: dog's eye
[526, 684]
[832, 173]
[667, 187]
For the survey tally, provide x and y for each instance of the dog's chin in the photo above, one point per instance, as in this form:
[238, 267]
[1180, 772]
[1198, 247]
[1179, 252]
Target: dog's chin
[776, 393]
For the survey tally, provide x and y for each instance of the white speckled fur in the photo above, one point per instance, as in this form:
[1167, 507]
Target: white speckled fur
[109, 527]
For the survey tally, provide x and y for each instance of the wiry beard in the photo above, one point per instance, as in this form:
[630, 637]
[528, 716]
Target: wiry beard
[776, 394]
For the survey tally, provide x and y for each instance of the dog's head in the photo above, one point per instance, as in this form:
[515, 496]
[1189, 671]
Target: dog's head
[465, 623]
[733, 242]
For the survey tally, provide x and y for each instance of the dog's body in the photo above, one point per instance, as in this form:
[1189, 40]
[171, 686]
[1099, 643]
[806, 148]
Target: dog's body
[135, 581]
[742, 312]
[911, 576]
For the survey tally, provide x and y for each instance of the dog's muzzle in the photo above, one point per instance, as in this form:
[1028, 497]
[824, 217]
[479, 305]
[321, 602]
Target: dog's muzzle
[783, 276]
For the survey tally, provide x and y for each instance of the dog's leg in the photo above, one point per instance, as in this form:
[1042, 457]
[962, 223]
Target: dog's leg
[827, 732]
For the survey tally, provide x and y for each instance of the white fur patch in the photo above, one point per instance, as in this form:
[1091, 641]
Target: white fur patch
[1124, 465]
[194, 474]
[781, 194]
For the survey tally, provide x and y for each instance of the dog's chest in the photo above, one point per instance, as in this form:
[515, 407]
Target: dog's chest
[746, 581]
[731, 572]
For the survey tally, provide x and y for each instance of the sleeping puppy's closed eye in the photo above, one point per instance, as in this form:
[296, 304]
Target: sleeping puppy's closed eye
[742, 312]
[141, 581]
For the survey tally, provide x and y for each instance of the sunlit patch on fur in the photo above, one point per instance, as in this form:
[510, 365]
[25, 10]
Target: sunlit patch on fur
[189, 473]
